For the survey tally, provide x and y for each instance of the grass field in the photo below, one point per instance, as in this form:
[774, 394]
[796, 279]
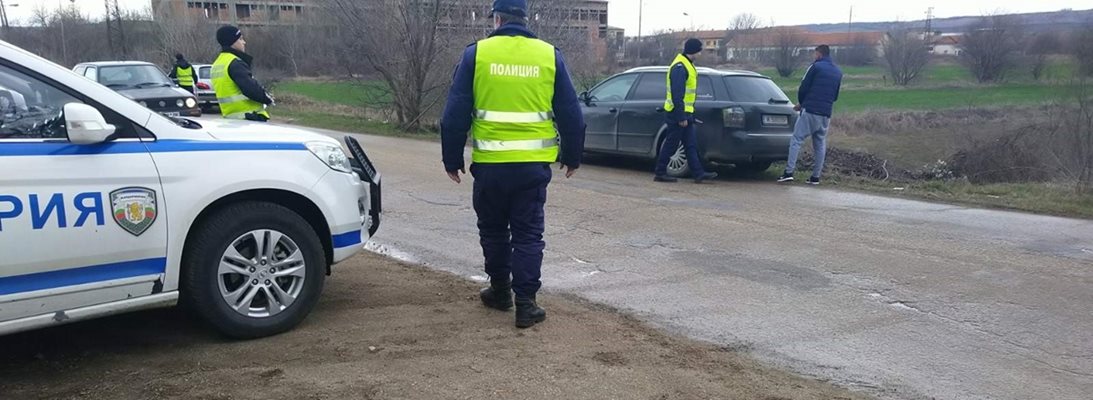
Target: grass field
[943, 86]
[343, 93]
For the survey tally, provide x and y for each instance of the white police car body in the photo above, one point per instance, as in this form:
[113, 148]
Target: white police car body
[108, 207]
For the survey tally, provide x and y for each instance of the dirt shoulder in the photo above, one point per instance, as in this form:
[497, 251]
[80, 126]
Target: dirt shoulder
[386, 330]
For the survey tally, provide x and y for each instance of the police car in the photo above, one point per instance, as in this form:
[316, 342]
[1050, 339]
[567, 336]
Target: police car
[109, 207]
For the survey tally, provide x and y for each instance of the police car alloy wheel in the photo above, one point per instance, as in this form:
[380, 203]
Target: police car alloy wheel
[261, 273]
[253, 269]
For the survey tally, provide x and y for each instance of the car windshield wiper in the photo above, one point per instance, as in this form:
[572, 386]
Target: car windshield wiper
[117, 85]
[151, 83]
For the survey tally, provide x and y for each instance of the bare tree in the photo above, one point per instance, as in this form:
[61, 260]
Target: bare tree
[861, 51]
[403, 44]
[1081, 47]
[741, 24]
[992, 46]
[1038, 51]
[185, 34]
[906, 55]
[786, 52]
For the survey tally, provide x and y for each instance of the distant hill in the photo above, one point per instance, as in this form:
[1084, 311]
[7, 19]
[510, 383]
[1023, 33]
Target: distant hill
[1037, 22]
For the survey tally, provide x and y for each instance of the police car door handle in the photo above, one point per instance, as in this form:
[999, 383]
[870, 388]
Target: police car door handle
[613, 110]
[660, 109]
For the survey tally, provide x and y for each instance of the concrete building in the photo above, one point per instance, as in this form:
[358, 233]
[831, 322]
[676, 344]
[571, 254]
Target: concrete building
[238, 12]
[585, 18]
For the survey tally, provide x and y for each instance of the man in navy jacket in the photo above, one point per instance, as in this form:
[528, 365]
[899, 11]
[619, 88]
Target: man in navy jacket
[816, 100]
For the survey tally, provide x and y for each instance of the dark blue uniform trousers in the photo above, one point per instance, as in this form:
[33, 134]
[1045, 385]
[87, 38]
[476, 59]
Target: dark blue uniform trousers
[689, 137]
[509, 201]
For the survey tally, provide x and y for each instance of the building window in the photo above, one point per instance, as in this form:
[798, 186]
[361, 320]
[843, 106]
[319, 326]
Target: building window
[242, 11]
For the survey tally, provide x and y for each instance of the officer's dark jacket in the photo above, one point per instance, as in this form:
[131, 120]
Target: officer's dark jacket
[240, 72]
[460, 107]
[820, 88]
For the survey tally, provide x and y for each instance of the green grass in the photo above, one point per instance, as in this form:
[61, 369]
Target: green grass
[343, 93]
[943, 98]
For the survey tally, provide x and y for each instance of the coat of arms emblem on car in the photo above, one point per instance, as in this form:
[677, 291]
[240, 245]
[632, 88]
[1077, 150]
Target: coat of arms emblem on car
[134, 209]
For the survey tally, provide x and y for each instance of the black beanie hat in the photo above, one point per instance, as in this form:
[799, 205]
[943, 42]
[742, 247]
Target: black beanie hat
[179, 57]
[693, 46]
[227, 35]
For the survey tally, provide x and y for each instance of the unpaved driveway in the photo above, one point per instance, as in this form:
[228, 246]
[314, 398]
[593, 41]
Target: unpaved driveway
[386, 330]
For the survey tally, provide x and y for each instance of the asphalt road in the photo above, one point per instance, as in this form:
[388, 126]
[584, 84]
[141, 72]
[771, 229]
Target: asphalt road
[901, 299]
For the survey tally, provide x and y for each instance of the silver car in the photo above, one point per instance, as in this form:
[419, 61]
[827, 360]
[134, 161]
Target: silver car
[206, 96]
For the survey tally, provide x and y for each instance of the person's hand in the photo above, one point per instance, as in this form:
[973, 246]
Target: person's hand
[569, 171]
[683, 124]
[797, 108]
[454, 175]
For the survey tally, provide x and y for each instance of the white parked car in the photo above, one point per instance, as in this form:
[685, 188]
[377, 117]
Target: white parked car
[107, 207]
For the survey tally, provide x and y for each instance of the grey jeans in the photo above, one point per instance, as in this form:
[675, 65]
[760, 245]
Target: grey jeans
[809, 125]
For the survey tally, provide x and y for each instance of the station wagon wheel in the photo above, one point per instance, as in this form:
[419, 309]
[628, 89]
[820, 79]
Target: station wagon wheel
[677, 164]
[253, 269]
[261, 273]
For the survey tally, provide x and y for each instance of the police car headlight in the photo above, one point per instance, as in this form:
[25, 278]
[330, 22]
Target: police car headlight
[332, 155]
[190, 102]
[179, 103]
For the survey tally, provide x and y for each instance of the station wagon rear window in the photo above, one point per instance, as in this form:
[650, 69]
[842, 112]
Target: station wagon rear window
[749, 89]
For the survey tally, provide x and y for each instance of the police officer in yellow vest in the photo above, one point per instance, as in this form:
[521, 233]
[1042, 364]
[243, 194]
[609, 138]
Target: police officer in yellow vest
[185, 73]
[239, 94]
[513, 93]
[680, 107]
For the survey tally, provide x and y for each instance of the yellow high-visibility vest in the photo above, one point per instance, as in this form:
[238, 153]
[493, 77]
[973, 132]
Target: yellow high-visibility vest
[692, 85]
[513, 120]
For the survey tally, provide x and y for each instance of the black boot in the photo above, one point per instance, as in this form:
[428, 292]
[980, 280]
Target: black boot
[528, 313]
[498, 295]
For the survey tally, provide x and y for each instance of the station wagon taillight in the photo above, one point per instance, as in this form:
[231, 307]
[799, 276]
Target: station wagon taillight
[203, 86]
[734, 117]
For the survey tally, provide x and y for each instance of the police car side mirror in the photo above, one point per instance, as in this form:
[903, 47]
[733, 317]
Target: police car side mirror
[85, 124]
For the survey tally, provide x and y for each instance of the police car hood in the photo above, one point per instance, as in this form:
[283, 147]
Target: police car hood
[248, 131]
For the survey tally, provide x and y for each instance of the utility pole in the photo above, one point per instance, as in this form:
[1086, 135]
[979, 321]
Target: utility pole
[64, 45]
[4, 15]
[929, 22]
[641, 45]
[850, 23]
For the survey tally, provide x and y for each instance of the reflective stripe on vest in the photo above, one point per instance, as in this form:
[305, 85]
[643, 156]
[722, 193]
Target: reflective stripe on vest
[509, 145]
[233, 103]
[185, 76]
[691, 95]
[514, 117]
[513, 100]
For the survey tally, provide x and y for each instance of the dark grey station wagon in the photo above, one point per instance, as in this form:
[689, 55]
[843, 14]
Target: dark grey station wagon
[746, 119]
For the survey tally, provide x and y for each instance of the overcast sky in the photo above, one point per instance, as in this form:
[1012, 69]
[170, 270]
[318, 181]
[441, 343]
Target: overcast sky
[714, 14]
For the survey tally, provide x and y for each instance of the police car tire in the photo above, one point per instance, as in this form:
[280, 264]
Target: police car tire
[200, 290]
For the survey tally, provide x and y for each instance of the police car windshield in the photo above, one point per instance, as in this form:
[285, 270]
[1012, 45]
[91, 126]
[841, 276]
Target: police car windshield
[132, 76]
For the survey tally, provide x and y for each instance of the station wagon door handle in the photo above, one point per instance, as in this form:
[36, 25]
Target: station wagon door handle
[613, 110]
[660, 109]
